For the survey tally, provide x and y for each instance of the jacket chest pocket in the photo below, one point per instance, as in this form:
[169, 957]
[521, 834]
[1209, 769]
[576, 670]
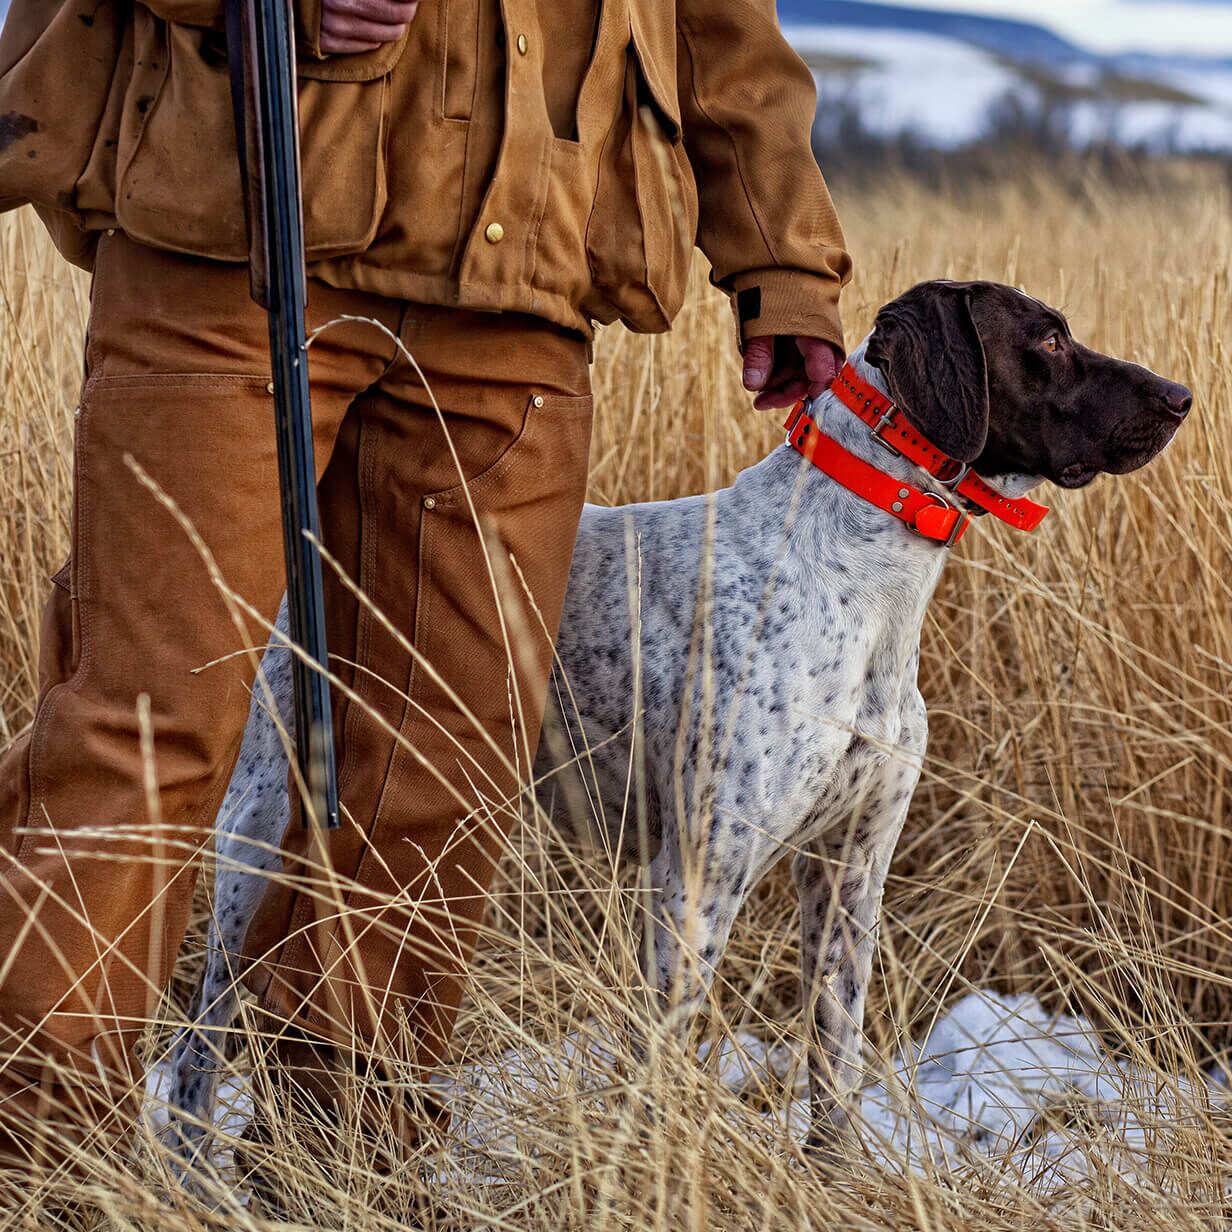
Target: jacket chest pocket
[178, 181]
[458, 41]
[643, 223]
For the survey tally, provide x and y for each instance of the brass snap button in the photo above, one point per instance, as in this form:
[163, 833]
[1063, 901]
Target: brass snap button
[523, 44]
[537, 400]
[269, 387]
[494, 233]
[429, 502]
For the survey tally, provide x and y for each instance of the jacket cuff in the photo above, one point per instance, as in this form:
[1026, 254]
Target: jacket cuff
[786, 301]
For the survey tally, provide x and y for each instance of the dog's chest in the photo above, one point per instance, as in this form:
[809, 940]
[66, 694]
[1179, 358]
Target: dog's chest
[828, 726]
[868, 773]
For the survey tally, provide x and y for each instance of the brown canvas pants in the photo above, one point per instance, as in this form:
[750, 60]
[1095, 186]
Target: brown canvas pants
[99, 843]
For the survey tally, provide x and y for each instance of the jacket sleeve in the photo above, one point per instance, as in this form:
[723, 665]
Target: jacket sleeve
[766, 222]
[210, 13]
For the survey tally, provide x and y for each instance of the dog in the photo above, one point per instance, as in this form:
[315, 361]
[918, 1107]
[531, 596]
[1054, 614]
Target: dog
[754, 693]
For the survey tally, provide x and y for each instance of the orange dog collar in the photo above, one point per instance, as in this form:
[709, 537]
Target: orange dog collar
[926, 513]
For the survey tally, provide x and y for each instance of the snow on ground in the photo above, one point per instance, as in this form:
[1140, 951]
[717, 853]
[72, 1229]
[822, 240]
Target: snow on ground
[998, 1086]
[233, 1111]
[943, 91]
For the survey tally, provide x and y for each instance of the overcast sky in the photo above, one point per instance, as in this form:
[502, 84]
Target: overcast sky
[1203, 26]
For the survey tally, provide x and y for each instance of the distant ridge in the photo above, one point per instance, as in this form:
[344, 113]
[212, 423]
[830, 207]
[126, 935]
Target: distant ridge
[1022, 40]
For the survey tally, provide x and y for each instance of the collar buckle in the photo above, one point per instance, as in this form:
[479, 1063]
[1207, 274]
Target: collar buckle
[886, 421]
[797, 413]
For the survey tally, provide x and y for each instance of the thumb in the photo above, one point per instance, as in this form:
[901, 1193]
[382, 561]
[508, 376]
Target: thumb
[822, 361]
[758, 360]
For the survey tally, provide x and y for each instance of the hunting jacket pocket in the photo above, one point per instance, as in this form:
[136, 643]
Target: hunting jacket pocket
[174, 191]
[642, 227]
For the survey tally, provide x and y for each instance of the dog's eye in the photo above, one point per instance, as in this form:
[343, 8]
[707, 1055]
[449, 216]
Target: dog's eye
[1052, 343]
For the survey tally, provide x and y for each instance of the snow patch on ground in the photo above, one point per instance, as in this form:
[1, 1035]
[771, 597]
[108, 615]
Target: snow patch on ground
[233, 1112]
[999, 1080]
[998, 1086]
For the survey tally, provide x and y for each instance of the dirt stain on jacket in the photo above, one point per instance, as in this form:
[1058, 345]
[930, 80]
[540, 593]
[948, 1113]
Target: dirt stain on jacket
[14, 126]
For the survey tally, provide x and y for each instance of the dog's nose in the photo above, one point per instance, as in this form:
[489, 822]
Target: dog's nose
[1176, 399]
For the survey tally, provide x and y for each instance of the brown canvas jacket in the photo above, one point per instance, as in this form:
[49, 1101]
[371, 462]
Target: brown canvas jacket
[554, 157]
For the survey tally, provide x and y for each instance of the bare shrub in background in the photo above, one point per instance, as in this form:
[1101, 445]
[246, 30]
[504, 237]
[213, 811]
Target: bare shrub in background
[1069, 838]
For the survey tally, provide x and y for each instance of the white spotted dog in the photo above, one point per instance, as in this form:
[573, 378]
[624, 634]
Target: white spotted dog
[771, 662]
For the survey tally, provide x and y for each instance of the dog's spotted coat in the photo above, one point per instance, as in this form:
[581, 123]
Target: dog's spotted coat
[760, 647]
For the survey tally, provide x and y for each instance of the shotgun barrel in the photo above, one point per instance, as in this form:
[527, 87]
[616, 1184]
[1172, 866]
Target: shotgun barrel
[261, 47]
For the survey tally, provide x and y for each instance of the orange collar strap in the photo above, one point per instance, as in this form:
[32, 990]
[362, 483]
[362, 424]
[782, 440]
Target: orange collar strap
[926, 513]
[891, 430]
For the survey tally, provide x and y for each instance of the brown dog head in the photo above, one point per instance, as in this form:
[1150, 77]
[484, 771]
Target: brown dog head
[995, 378]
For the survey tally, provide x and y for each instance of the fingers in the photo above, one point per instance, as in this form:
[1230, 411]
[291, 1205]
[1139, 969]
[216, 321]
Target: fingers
[349, 26]
[369, 33]
[344, 47]
[781, 367]
[781, 394]
[822, 361]
[758, 362]
[822, 374]
[398, 13]
[783, 370]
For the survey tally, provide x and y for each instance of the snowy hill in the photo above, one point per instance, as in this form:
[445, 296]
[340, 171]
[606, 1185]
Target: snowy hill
[946, 78]
[1019, 39]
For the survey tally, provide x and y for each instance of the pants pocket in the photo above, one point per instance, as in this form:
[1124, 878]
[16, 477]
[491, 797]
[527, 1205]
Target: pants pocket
[527, 503]
[473, 605]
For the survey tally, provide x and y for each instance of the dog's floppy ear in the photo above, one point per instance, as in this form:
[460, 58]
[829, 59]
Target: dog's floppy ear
[929, 350]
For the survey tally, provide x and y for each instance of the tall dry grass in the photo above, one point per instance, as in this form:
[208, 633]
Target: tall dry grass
[1069, 838]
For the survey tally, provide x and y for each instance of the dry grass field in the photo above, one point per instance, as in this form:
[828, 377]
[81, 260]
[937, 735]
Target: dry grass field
[1071, 838]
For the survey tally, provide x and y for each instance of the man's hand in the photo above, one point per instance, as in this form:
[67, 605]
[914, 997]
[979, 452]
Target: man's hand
[782, 370]
[348, 26]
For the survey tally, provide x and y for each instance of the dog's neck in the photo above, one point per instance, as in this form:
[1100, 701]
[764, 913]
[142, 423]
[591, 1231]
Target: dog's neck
[832, 529]
[837, 421]
[830, 515]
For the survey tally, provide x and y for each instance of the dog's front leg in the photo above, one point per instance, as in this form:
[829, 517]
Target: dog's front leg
[691, 919]
[840, 903]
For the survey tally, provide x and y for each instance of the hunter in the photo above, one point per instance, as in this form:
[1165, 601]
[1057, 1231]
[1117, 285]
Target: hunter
[487, 181]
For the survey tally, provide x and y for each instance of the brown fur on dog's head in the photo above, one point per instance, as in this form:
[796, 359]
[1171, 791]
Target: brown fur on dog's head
[995, 378]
